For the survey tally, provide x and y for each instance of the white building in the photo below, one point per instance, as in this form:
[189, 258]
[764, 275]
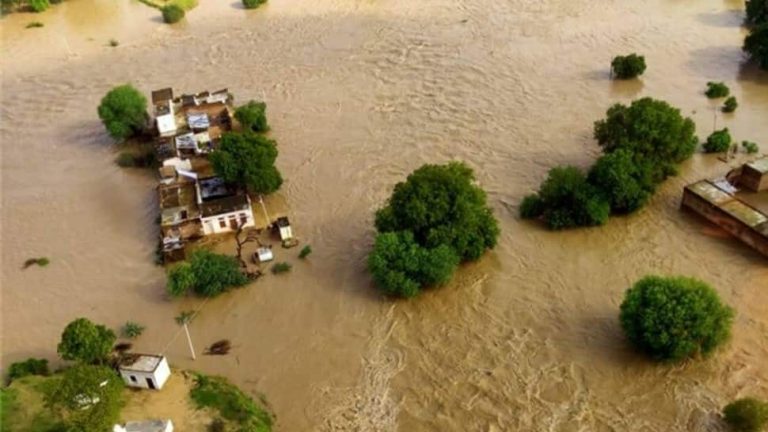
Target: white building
[222, 210]
[145, 426]
[145, 371]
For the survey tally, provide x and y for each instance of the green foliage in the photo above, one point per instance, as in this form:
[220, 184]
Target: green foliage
[132, 329]
[41, 262]
[717, 90]
[88, 397]
[305, 251]
[624, 183]
[281, 267]
[86, 342]
[8, 405]
[30, 366]
[730, 105]
[756, 45]
[38, 5]
[172, 13]
[630, 66]
[35, 24]
[133, 160]
[750, 147]
[531, 207]
[401, 267]
[123, 111]
[253, 116]
[674, 318]
[231, 403]
[207, 274]
[253, 4]
[567, 200]
[181, 279]
[248, 159]
[757, 12]
[746, 415]
[185, 317]
[718, 141]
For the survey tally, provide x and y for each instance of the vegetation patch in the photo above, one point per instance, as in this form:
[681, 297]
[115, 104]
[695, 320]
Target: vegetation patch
[718, 141]
[86, 342]
[305, 251]
[123, 110]
[231, 403]
[717, 90]
[253, 4]
[30, 366]
[629, 66]
[35, 24]
[746, 415]
[248, 159]
[132, 330]
[22, 407]
[750, 147]
[207, 274]
[253, 116]
[41, 262]
[172, 13]
[730, 105]
[756, 45]
[281, 267]
[757, 12]
[136, 159]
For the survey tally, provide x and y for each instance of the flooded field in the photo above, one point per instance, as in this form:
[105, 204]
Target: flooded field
[360, 93]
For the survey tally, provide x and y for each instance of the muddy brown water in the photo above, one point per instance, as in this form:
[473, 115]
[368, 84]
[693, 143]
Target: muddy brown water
[360, 93]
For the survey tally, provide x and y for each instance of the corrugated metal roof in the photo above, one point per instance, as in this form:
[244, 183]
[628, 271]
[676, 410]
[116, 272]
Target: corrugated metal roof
[744, 213]
[710, 192]
[760, 165]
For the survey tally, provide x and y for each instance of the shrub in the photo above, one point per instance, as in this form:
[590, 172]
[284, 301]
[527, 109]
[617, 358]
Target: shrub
[123, 111]
[172, 13]
[30, 366]
[757, 12]
[532, 207]
[86, 342]
[35, 24]
[41, 262]
[630, 66]
[89, 397]
[113, 43]
[253, 4]
[718, 141]
[253, 116]
[568, 200]
[207, 274]
[624, 183]
[38, 5]
[181, 279]
[281, 267]
[746, 415]
[231, 403]
[756, 45]
[730, 105]
[132, 329]
[305, 251]
[673, 318]
[750, 147]
[249, 160]
[717, 90]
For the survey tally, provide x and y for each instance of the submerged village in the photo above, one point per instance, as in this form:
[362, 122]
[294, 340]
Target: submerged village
[592, 262]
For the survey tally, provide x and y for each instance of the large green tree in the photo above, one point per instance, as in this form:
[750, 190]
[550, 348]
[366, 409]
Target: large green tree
[88, 397]
[86, 342]
[756, 45]
[673, 318]
[123, 111]
[248, 159]
[757, 12]
[624, 182]
[253, 116]
[208, 274]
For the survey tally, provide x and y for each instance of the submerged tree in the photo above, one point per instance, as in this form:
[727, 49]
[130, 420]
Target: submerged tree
[207, 274]
[756, 45]
[123, 111]
[248, 159]
[757, 12]
[625, 183]
[253, 116]
[86, 342]
[718, 142]
[172, 13]
[629, 66]
[746, 415]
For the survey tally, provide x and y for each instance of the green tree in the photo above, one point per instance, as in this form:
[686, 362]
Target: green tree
[717, 90]
[249, 160]
[567, 200]
[123, 111]
[746, 415]
[253, 4]
[88, 397]
[172, 13]
[626, 67]
[756, 45]
[208, 274]
[652, 130]
[253, 116]
[718, 141]
[625, 183]
[86, 342]
[38, 5]
[181, 279]
[673, 318]
[401, 267]
[757, 12]
[441, 205]
[730, 105]
[30, 366]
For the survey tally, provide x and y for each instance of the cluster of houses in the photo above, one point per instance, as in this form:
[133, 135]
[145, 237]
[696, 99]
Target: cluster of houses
[194, 202]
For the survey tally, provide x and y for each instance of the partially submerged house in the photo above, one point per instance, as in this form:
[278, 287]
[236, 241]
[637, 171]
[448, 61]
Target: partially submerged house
[146, 371]
[737, 203]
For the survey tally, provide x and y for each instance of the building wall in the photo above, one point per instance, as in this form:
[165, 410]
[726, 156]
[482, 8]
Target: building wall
[212, 225]
[139, 379]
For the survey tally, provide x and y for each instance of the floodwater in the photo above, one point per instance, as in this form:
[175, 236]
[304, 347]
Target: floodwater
[360, 93]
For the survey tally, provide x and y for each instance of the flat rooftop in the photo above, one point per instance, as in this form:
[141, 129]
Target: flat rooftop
[141, 362]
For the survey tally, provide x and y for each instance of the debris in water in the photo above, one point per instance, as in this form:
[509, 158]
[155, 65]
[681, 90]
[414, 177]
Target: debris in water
[221, 347]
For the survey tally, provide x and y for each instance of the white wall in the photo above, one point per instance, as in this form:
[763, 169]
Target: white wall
[211, 224]
[158, 377]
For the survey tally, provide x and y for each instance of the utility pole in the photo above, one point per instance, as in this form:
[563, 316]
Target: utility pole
[184, 319]
[264, 209]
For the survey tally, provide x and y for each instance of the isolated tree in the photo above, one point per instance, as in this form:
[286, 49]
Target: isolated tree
[757, 12]
[88, 397]
[746, 415]
[717, 90]
[441, 205]
[673, 318]
[730, 105]
[756, 45]
[172, 13]
[247, 159]
[86, 342]
[401, 267]
[718, 142]
[253, 116]
[625, 183]
[214, 273]
[629, 66]
[123, 111]
[652, 130]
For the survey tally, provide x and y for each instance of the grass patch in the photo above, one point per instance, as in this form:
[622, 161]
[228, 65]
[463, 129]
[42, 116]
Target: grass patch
[231, 403]
[281, 267]
[22, 407]
[35, 24]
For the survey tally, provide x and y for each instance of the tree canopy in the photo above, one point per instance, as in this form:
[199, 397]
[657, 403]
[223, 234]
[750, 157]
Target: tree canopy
[717, 90]
[673, 318]
[624, 183]
[746, 415]
[172, 13]
[718, 142]
[756, 45]
[208, 274]
[247, 159]
[123, 111]
[86, 342]
[89, 397]
[757, 12]
[253, 4]
[629, 66]
[253, 116]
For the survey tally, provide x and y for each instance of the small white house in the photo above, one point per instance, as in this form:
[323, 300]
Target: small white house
[145, 371]
[145, 426]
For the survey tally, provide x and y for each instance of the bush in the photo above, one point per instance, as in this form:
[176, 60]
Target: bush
[281, 267]
[249, 160]
[86, 342]
[207, 274]
[532, 207]
[123, 111]
[717, 90]
[132, 330]
[673, 318]
[757, 12]
[756, 45]
[253, 116]
[114, 42]
[35, 24]
[181, 279]
[730, 105]
[746, 415]
[231, 403]
[624, 183]
[253, 4]
[568, 200]
[718, 142]
[626, 67]
[40, 262]
[30, 366]
[172, 13]
[38, 5]
[750, 147]
[132, 160]
[305, 251]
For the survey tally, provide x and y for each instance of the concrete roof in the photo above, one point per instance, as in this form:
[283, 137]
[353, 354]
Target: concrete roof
[760, 165]
[141, 363]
